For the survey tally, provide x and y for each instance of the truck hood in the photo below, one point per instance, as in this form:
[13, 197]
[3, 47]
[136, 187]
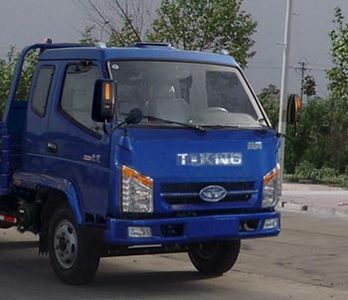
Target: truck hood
[185, 155]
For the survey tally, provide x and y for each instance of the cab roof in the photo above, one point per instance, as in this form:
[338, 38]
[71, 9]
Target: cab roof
[140, 51]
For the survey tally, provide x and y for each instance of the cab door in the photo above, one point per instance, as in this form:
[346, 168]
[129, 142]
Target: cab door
[35, 134]
[77, 147]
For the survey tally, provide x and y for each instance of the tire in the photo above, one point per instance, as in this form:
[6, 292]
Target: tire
[214, 258]
[73, 250]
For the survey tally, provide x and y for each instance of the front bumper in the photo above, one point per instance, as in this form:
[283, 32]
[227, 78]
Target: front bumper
[191, 229]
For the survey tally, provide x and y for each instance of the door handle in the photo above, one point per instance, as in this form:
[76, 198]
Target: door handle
[52, 148]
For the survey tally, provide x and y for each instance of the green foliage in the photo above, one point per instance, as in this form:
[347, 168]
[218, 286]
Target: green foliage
[311, 137]
[117, 38]
[206, 26]
[87, 36]
[7, 69]
[270, 99]
[337, 75]
[320, 150]
[306, 171]
[125, 36]
[338, 86]
[5, 79]
[118, 23]
[27, 75]
[309, 86]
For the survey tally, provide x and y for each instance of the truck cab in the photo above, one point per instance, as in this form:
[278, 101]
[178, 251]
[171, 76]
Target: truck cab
[139, 150]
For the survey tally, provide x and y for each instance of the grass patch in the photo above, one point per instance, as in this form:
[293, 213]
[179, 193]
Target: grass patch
[307, 173]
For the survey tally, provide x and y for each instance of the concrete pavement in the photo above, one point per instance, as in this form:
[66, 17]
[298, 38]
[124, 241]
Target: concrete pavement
[315, 198]
[307, 261]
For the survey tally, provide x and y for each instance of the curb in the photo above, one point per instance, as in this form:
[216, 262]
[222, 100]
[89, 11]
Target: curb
[332, 211]
[293, 206]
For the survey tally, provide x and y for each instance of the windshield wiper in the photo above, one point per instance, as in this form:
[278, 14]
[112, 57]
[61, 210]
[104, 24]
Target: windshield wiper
[219, 126]
[188, 125]
[262, 122]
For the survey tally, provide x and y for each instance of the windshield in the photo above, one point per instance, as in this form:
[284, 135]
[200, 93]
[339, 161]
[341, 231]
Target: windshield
[202, 94]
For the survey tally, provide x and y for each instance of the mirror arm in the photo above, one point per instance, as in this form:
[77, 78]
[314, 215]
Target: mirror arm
[118, 125]
[134, 117]
[107, 127]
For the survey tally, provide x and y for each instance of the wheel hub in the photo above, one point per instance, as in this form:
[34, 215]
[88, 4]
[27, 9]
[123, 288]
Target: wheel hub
[65, 244]
[207, 250]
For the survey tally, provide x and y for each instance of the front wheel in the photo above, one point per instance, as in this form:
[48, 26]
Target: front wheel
[214, 258]
[73, 250]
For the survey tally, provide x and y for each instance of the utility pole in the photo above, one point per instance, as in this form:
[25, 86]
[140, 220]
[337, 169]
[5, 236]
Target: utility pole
[284, 87]
[303, 69]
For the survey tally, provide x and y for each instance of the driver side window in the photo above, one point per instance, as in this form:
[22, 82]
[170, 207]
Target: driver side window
[77, 96]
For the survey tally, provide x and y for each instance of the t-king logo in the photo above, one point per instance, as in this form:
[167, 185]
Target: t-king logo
[209, 159]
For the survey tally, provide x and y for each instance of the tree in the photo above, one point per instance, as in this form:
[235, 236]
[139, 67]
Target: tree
[119, 22]
[206, 26]
[193, 25]
[309, 86]
[322, 133]
[87, 36]
[338, 86]
[311, 141]
[125, 36]
[270, 98]
[310, 137]
[7, 69]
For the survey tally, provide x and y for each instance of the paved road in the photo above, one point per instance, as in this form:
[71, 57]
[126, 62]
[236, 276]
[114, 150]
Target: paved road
[309, 260]
[316, 198]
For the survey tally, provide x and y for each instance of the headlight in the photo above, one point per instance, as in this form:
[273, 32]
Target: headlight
[270, 196]
[137, 192]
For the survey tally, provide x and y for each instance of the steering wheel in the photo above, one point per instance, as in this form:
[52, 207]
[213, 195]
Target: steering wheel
[216, 109]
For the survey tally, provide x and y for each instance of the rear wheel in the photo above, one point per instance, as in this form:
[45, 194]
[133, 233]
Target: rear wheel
[74, 251]
[214, 258]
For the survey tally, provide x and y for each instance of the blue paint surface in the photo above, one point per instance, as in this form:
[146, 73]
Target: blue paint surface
[198, 229]
[95, 188]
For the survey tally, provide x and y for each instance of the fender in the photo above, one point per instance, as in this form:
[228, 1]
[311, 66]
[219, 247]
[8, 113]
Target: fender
[34, 181]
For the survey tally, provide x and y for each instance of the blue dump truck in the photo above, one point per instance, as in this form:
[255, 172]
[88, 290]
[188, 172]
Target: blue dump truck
[139, 150]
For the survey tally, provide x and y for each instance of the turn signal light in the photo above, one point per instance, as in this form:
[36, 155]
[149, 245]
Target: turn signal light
[130, 173]
[107, 92]
[271, 175]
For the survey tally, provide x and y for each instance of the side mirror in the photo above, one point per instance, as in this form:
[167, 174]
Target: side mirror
[104, 100]
[294, 109]
[134, 117]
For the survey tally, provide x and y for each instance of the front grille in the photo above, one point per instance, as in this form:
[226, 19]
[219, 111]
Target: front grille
[188, 193]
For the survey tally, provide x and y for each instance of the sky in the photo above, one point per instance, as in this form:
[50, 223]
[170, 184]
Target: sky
[310, 43]
[29, 21]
